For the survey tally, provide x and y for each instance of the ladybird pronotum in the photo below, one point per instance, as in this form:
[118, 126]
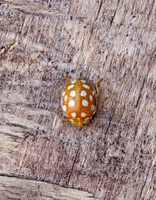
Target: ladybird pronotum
[78, 101]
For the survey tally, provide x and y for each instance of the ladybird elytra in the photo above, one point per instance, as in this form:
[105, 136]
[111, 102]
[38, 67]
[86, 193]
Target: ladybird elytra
[78, 101]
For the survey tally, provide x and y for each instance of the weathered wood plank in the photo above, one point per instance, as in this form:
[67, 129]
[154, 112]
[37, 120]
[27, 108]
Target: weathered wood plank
[18, 188]
[113, 157]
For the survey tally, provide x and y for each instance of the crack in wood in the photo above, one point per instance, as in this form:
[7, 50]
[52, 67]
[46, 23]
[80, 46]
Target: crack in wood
[140, 93]
[100, 6]
[111, 22]
[92, 26]
[73, 164]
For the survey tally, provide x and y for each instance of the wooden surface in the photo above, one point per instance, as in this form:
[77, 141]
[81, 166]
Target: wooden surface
[114, 156]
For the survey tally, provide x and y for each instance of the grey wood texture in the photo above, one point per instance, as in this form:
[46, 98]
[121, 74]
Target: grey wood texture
[114, 156]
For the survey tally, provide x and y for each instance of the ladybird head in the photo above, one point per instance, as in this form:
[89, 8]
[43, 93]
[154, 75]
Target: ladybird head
[79, 121]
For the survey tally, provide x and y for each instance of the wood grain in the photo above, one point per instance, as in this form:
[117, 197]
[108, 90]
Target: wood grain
[114, 156]
[18, 188]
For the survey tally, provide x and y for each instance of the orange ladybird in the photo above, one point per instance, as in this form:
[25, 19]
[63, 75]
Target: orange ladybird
[78, 101]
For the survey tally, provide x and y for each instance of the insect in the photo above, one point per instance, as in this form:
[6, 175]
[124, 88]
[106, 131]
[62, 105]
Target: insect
[78, 101]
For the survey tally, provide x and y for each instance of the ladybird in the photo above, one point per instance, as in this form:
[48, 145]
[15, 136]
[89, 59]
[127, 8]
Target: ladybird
[78, 101]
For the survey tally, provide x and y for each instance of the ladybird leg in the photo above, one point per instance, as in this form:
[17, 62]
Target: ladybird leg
[58, 111]
[68, 119]
[94, 112]
[97, 87]
[67, 80]
[64, 120]
[86, 121]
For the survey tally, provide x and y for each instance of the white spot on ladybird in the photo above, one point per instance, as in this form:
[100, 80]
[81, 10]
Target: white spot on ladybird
[93, 92]
[63, 93]
[83, 114]
[70, 86]
[91, 97]
[73, 93]
[85, 102]
[71, 103]
[86, 86]
[83, 93]
[73, 114]
[64, 108]
[83, 81]
[92, 107]
[73, 81]
[65, 98]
